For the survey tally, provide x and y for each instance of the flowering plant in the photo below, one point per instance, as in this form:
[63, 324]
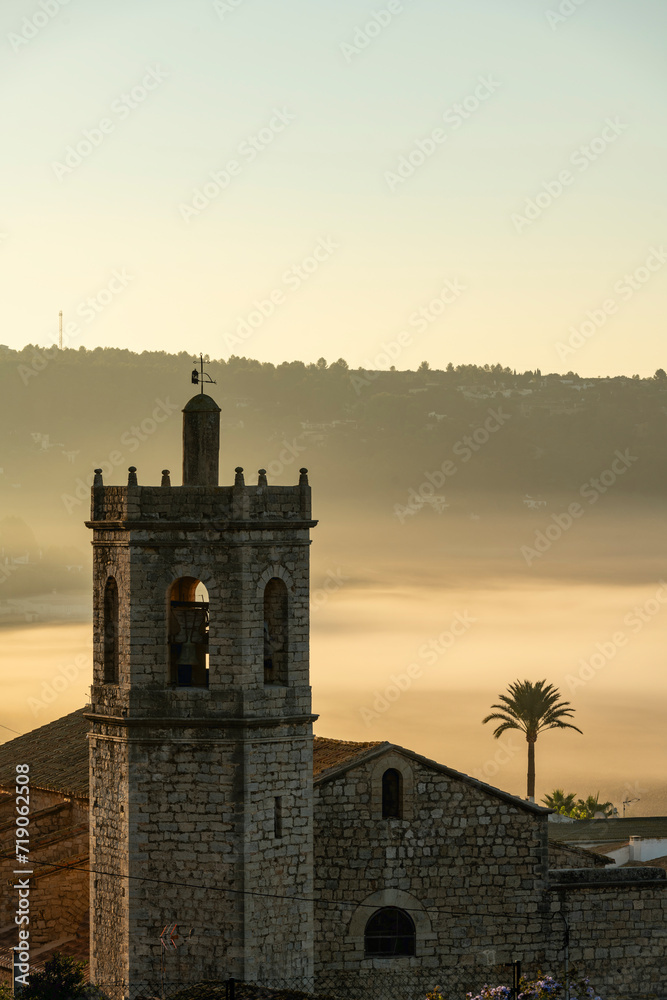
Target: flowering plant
[540, 988]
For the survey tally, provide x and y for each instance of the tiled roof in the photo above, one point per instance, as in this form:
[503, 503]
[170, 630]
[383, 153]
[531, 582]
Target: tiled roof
[58, 758]
[654, 863]
[603, 831]
[613, 845]
[331, 753]
[57, 754]
[594, 856]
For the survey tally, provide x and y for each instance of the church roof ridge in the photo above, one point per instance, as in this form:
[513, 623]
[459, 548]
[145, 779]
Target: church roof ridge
[380, 748]
[57, 753]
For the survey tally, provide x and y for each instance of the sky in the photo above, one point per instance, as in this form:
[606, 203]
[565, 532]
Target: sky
[436, 180]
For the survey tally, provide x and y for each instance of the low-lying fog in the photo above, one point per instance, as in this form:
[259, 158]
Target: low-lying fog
[420, 621]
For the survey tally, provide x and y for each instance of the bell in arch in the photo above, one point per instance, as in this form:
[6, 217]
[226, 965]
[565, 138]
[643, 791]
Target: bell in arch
[188, 633]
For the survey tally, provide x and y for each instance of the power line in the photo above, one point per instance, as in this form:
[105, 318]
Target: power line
[11, 730]
[236, 892]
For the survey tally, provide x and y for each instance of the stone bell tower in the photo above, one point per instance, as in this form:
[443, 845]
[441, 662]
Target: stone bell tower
[201, 724]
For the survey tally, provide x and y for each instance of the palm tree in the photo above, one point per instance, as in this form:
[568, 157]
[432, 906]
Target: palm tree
[531, 708]
[560, 802]
[588, 807]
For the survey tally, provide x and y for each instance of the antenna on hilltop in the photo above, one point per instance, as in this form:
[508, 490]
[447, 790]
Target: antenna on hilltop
[199, 377]
[60, 330]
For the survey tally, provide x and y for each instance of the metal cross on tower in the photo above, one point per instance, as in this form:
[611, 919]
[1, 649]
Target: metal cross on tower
[199, 377]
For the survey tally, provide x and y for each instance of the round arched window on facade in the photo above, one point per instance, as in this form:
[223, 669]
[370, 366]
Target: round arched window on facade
[389, 933]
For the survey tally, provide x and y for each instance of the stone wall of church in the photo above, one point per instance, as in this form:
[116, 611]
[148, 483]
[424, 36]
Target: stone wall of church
[58, 836]
[197, 770]
[471, 871]
[470, 868]
[617, 928]
[201, 838]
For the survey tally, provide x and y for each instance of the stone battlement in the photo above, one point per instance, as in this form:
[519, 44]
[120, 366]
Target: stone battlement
[196, 504]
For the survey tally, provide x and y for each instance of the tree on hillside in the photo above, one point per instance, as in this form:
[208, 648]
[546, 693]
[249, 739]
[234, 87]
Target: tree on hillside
[531, 708]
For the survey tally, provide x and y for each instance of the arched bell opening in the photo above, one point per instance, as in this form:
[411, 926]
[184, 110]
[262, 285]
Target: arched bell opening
[275, 632]
[188, 633]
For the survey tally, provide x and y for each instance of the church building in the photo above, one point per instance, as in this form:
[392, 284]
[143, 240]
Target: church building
[191, 791]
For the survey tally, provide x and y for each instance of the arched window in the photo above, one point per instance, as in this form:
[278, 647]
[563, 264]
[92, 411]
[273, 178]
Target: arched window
[389, 933]
[392, 794]
[188, 633]
[111, 632]
[275, 632]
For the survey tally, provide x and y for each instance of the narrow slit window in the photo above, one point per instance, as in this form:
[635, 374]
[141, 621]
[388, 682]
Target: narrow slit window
[275, 632]
[111, 632]
[278, 816]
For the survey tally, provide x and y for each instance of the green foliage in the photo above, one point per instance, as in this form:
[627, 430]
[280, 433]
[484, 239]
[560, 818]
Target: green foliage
[569, 805]
[6, 991]
[62, 979]
[562, 803]
[531, 708]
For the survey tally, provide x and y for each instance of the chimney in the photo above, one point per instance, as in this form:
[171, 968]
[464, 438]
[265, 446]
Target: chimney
[635, 845]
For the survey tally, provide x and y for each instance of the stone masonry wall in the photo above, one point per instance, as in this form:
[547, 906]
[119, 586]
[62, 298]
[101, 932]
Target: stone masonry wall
[618, 929]
[109, 769]
[197, 769]
[59, 835]
[469, 867]
[565, 856]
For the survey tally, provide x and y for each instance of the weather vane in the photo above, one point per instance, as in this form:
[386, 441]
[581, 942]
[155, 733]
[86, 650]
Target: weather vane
[199, 377]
